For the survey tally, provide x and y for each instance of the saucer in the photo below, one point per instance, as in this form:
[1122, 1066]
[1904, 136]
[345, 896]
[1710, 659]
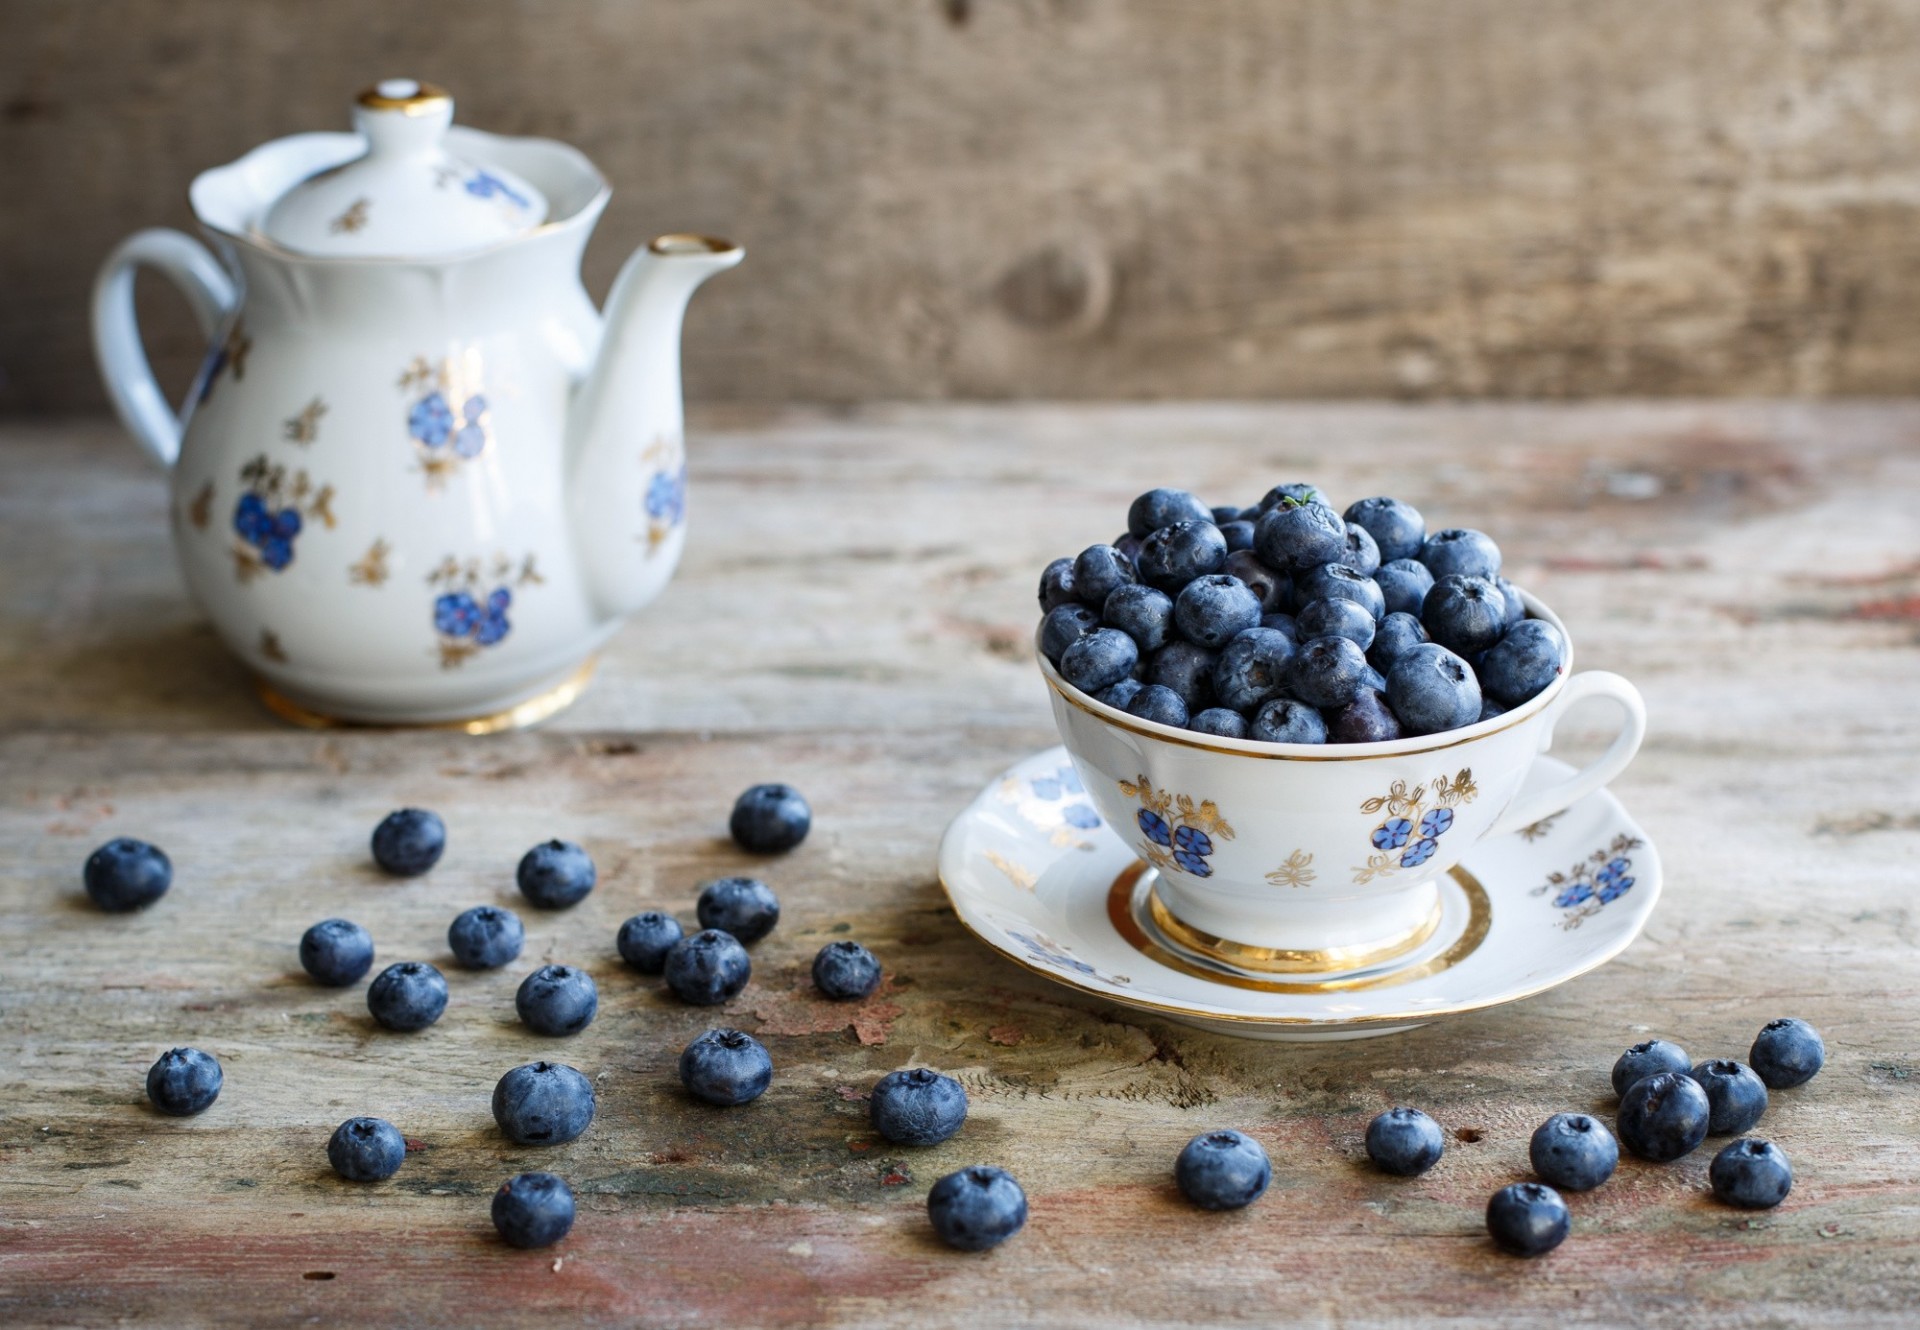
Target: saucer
[1034, 872]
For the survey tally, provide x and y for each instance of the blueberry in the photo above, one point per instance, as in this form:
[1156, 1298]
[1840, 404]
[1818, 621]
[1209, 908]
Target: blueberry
[1404, 1142]
[1174, 555]
[917, 1107]
[533, 1210]
[1397, 528]
[1098, 572]
[1573, 1152]
[1363, 554]
[1490, 708]
[1527, 1219]
[1365, 720]
[845, 971]
[1299, 491]
[555, 874]
[1211, 611]
[409, 842]
[1464, 614]
[1787, 1053]
[1119, 695]
[1337, 618]
[1128, 544]
[1663, 1116]
[1396, 633]
[1283, 623]
[1294, 536]
[1516, 607]
[1252, 668]
[645, 940]
[485, 937]
[1099, 660]
[1141, 613]
[557, 1000]
[1274, 590]
[407, 996]
[543, 1103]
[770, 819]
[977, 1208]
[726, 1067]
[1221, 514]
[1162, 508]
[183, 1082]
[366, 1149]
[707, 968]
[1328, 672]
[1430, 689]
[1222, 1170]
[1188, 670]
[1160, 704]
[1373, 679]
[1752, 1174]
[337, 952]
[1221, 722]
[1736, 1097]
[1285, 721]
[1339, 581]
[1522, 664]
[1238, 535]
[127, 874]
[1648, 1059]
[1461, 551]
[1403, 584]
[1056, 586]
[743, 906]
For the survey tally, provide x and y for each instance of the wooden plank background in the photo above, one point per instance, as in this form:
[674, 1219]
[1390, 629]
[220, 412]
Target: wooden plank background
[1752, 567]
[1084, 198]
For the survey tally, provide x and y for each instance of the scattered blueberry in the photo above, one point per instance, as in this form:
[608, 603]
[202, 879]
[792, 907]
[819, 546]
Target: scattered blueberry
[1396, 527]
[1220, 722]
[1339, 581]
[1522, 664]
[127, 874]
[1573, 1151]
[407, 996]
[409, 842]
[1648, 1059]
[557, 1000]
[1285, 721]
[1365, 720]
[1252, 668]
[1466, 615]
[1222, 1170]
[743, 906]
[645, 940]
[845, 970]
[366, 1149]
[1174, 555]
[1461, 551]
[1787, 1053]
[1160, 704]
[917, 1107]
[1404, 584]
[1188, 670]
[1329, 671]
[1527, 1219]
[1140, 612]
[337, 952]
[1337, 618]
[1099, 659]
[726, 1067]
[1397, 634]
[543, 1103]
[1211, 611]
[1164, 507]
[183, 1082]
[1098, 572]
[1663, 1116]
[1751, 1173]
[707, 968]
[533, 1210]
[977, 1208]
[1430, 689]
[1405, 1142]
[555, 874]
[1295, 536]
[1736, 1097]
[768, 819]
[483, 938]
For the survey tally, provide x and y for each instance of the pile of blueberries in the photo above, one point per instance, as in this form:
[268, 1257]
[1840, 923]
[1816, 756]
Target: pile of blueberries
[549, 1103]
[1288, 622]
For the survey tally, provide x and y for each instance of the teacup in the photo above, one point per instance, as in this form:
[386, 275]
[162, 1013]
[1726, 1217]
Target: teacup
[1310, 858]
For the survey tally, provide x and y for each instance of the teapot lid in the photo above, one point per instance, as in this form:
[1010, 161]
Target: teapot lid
[408, 196]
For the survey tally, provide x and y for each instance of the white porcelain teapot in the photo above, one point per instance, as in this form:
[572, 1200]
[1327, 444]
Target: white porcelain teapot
[419, 479]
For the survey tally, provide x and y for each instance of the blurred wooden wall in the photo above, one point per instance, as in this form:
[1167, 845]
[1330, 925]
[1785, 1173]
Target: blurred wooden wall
[1084, 198]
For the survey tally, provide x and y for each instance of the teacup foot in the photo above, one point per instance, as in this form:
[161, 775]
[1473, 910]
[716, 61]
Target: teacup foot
[529, 711]
[1251, 959]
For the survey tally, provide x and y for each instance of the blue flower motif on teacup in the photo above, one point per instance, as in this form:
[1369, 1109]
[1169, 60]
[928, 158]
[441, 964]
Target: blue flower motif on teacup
[487, 185]
[1044, 949]
[665, 502]
[1602, 877]
[1415, 821]
[470, 609]
[1054, 802]
[273, 509]
[1180, 835]
[447, 415]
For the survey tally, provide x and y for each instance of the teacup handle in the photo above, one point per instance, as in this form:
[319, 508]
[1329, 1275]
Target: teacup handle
[143, 408]
[1530, 808]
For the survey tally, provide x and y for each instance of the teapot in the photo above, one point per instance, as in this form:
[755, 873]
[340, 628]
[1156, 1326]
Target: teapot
[418, 478]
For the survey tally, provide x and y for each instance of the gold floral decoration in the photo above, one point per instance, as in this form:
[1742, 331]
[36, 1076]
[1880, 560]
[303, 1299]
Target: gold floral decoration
[1415, 820]
[1295, 872]
[371, 569]
[201, 512]
[305, 427]
[353, 220]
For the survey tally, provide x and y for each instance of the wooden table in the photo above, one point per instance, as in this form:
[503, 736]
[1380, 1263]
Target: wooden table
[854, 616]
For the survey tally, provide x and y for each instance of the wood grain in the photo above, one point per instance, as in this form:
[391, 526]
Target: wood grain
[852, 616]
[1058, 198]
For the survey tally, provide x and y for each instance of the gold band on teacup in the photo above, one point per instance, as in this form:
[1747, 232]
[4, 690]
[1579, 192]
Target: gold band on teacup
[1331, 961]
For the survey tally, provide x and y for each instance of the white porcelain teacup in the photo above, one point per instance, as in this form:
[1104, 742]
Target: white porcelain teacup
[1311, 858]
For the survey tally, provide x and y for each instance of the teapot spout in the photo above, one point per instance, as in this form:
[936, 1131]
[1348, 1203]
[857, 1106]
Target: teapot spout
[626, 455]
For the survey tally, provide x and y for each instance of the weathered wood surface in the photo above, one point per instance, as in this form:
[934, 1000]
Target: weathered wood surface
[852, 616]
[1084, 198]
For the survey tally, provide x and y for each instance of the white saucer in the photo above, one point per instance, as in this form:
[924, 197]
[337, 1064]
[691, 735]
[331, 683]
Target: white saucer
[1032, 870]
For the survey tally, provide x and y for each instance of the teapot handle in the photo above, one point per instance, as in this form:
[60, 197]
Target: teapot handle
[143, 409]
